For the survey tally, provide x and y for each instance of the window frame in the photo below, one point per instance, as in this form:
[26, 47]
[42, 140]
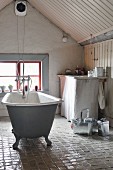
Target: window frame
[18, 65]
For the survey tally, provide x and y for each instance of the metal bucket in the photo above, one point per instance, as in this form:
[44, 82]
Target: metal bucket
[82, 127]
[103, 128]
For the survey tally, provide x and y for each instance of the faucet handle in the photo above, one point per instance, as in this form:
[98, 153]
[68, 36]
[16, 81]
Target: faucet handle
[87, 112]
[29, 78]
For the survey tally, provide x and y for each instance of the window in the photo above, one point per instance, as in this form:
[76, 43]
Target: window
[9, 71]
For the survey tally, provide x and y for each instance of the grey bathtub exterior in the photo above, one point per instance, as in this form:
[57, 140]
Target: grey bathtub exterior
[31, 120]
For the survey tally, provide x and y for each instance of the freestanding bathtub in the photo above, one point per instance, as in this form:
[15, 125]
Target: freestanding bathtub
[31, 116]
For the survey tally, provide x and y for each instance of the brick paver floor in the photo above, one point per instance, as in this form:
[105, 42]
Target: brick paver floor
[68, 150]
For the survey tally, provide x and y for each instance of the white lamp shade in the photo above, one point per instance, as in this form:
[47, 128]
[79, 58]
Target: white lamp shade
[64, 39]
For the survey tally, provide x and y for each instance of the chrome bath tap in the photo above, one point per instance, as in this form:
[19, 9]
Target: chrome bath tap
[21, 80]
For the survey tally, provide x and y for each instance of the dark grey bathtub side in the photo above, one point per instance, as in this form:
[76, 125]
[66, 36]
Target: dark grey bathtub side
[32, 121]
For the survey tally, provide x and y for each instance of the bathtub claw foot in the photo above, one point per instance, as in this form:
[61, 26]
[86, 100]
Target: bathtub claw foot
[15, 145]
[48, 141]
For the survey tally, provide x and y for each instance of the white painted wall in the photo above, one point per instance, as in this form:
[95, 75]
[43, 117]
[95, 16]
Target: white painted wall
[36, 34]
[40, 36]
[60, 59]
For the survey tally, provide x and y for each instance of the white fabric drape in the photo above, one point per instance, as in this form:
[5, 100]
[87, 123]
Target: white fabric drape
[79, 94]
[69, 93]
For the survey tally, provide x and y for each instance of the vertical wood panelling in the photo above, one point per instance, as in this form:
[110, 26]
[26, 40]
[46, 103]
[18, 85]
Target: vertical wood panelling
[88, 58]
[88, 54]
[100, 54]
[112, 60]
[85, 54]
[102, 51]
[109, 53]
[103, 61]
[96, 56]
[91, 57]
[105, 55]
[93, 66]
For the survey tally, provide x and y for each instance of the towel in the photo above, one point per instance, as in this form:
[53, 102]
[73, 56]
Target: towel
[101, 98]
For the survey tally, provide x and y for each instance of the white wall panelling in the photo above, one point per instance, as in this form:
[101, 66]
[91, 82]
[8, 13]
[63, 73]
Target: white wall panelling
[102, 51]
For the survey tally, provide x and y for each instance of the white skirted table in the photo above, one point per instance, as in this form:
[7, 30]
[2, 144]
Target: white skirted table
[78, 93]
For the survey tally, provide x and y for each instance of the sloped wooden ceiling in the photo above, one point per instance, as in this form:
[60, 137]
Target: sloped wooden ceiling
[78, 18]
[4, 3]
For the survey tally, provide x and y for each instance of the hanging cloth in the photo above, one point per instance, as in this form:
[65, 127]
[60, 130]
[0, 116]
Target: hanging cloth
[101, 98]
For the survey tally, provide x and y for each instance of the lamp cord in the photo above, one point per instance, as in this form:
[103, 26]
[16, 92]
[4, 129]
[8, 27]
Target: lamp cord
[24, 35]
[18, 37]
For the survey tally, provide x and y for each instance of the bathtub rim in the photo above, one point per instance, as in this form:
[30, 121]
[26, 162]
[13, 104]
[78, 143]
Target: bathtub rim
[57, 100]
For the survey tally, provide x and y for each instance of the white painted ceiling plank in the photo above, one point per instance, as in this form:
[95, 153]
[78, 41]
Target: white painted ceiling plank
[79, 13]
[87, 12]
[63, 19]
[107, 4]
[101, 14]
[108, 10]
[78, 18]
[105, 12]
[82, 16]
[76, 27]
[110, 1]
[90, 9]
[50, 15]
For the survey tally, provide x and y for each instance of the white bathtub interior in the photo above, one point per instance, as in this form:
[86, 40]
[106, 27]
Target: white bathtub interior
[30, 98]
[16, 97]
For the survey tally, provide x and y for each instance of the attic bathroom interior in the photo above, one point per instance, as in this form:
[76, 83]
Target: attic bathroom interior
[56, 84]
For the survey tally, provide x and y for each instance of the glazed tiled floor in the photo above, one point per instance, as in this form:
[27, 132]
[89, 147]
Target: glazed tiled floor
[68, 151]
